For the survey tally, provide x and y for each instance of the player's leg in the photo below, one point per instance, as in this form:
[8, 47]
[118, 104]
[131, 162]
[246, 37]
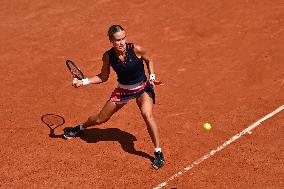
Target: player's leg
[104, 115]
[145, 104]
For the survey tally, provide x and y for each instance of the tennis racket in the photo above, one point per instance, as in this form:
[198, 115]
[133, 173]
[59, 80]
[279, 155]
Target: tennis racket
[75, 71]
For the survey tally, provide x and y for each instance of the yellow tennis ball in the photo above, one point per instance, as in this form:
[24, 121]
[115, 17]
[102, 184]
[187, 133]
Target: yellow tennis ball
[207, 126]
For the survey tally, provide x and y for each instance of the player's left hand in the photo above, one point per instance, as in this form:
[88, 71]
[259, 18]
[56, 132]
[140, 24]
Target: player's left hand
[153, 80]
[156, 82]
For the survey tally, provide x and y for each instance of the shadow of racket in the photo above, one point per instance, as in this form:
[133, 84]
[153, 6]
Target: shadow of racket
[53, 121]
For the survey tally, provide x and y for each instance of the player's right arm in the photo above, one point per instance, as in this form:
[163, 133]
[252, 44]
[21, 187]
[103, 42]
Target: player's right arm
[99, 78]
[105, 70]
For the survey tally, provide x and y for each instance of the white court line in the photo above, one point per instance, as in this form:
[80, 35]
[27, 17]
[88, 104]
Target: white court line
[212, 152]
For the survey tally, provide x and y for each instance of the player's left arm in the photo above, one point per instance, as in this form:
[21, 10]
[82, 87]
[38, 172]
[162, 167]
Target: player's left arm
[141, 53]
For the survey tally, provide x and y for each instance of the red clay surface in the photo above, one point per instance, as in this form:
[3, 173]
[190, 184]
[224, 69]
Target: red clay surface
[221, 62]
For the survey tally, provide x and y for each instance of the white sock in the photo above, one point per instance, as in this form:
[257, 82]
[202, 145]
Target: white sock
[158, 149]
[82, 128]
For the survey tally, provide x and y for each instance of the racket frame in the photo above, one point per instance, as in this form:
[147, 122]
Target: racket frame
[70, 63]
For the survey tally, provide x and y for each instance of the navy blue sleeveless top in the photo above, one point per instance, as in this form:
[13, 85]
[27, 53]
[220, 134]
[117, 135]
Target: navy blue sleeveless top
[131, 70]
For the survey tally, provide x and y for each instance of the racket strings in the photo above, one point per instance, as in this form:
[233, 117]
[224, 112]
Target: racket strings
[76, 72]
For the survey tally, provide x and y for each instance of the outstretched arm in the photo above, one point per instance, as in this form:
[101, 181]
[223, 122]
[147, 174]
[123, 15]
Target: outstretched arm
[99, 78]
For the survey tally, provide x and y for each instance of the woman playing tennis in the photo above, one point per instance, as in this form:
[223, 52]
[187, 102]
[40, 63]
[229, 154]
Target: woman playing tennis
[127, 60]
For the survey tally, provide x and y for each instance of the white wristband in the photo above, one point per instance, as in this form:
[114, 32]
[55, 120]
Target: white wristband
[152, 77]
[85, 81]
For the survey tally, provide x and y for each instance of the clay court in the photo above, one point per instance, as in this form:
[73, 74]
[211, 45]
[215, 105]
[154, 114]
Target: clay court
[221, 62]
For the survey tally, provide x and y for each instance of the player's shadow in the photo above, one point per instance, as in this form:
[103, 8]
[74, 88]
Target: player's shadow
[125, 139]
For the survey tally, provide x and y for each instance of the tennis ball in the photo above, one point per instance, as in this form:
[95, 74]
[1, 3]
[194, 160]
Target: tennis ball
[207, 126]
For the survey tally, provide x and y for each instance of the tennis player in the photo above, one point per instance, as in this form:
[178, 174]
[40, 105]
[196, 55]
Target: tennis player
[127, 60]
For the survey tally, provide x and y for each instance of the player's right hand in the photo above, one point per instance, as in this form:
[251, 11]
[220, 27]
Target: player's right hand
[77, 83]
